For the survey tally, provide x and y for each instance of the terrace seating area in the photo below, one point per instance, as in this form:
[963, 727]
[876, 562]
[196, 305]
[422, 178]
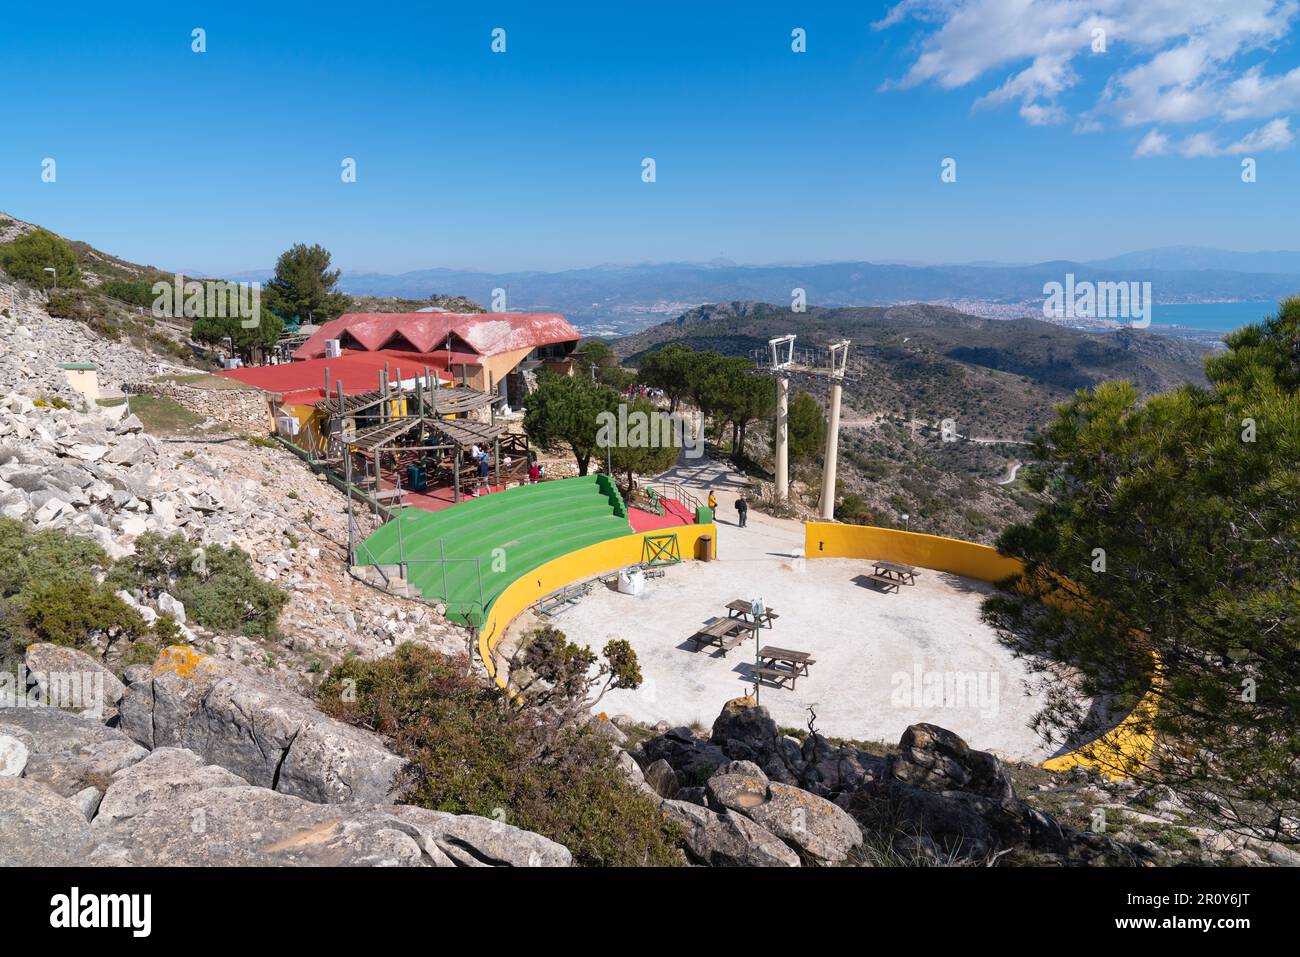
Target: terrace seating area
[466, 556]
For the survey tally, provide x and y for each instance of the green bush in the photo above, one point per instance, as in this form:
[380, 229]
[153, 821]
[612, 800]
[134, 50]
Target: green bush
[473, 751]
[27, 257]
[217, 583]
[69, 305]
[138, 292]
[72, 611]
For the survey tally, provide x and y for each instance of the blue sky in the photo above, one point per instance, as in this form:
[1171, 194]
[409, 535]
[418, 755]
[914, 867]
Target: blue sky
[531, 159]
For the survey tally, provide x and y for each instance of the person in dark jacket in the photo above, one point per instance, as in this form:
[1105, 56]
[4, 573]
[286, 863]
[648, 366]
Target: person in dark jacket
[742, 511]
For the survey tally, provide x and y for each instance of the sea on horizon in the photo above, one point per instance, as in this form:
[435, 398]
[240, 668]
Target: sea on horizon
[1210, 316]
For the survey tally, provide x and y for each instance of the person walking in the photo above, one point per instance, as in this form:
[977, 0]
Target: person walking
[534, 473]
[742, 511]
[713, 501]
[482, 476]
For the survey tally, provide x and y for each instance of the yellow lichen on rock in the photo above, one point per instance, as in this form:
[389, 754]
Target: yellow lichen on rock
[182, 660]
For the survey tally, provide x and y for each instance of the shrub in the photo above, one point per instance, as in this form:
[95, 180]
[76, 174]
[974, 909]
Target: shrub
[69, 305]
[138, 292]
[141, 652]
[71, 612]
[474, 751]
[217, 583]
[27, 257]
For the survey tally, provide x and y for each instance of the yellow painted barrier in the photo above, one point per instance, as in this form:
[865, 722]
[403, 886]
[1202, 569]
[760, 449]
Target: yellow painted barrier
[968, 559]
[1121, 752]
[598, 559]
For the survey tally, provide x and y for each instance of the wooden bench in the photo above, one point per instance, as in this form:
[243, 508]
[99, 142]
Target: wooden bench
[744, 611]
[779, 665]
[885, 581]
[779, 676]
[725, 633]
[893, 574]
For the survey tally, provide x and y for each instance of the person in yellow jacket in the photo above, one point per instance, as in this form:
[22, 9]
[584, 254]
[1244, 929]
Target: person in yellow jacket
[713, 502]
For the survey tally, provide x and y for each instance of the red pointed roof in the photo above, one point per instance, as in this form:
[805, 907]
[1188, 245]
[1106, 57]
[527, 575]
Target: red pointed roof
[303, 383]
[480, 334]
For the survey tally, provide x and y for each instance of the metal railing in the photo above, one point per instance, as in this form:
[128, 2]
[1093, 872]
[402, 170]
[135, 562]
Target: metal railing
[403, 563]
[675, 491]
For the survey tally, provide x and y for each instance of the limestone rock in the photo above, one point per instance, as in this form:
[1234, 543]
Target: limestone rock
[738, 786]
[13, 756]
[67, 752]
[472, 841]
[57, 669]
[38, 828]
[87, 799]
[267, 736]
[820, 829]
[936, 759]
[160, 779]
[728, 839]
[662, 778]
[745, 731]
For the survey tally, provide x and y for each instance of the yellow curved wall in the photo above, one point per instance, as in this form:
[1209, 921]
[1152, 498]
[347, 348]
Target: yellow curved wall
[968, 559]
[598, 559]
[1120, 753]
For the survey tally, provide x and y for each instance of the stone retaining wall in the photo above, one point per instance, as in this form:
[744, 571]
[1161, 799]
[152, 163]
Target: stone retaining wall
[242, 409]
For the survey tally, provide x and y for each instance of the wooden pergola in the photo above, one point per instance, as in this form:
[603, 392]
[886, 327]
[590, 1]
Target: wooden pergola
[424, 429]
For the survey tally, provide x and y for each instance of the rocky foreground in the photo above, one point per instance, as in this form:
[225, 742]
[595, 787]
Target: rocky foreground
[196, 760]
[99, 475]
[211, 765]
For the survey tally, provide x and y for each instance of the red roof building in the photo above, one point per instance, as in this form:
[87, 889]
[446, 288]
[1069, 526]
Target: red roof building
[486, 351]
[303, 383]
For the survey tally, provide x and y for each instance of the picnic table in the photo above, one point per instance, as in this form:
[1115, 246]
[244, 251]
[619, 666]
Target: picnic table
[780, 665]
[893, 574]
[744, 611]
[725, 633]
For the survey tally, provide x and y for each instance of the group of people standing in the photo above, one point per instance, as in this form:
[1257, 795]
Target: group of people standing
[742, 508]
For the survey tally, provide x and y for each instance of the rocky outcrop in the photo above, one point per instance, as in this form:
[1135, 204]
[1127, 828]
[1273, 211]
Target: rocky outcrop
[946, 801]
[728, 839]
[66, 752]
[692, 759]
[38, 828]
[172, 807]
[98, 475]
[63, 674]
[935, 799]
[269, 737]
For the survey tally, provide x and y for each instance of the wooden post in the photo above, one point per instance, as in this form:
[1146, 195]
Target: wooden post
[497, 449]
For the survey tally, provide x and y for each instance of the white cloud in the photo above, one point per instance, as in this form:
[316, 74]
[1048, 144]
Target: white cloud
[1274, 135]
[1154, 143]
[1169, 62]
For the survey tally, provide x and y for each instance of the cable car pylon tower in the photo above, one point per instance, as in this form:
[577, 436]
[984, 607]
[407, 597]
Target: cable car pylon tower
[781, 354]
[781, 365]
[839, 357]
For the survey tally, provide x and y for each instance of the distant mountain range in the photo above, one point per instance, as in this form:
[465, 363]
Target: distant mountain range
[615, 298]
[912, 366]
